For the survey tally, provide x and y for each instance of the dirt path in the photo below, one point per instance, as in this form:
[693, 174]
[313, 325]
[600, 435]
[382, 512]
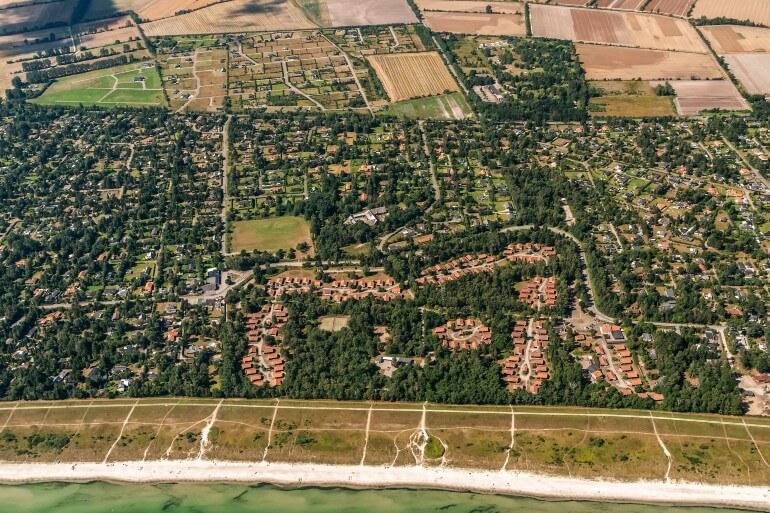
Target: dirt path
[662, 446]
[366, 436]
[270, 431]
[120, 435]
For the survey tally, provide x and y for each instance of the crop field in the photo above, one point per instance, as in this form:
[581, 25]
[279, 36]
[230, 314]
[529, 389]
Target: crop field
[479, 24]
[366, 12]
[752, 70]
[470, 6]
[133, 85]
[617, 444]
[234, 16]
[756, 11]
[616, 63]
[445, 106]
[630, 5]
[270, 234]
[34, 16]
[412, 75]
[737, 39]
[147, 10]
[617, 28]
[671, 7]
[695, 96]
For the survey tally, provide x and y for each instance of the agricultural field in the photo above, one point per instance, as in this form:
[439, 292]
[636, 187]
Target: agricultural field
[616, 63]
[616, 28]
[233, 16]
[670, 7]
[270, 234]
[628, 5]
[752, 70]
[477, 6]
[413, 75]
[147, 10]
[338, 13]
[624, 445]
[476, 23]
[694, 97]
[755, 11]
[35, 16]
[445, 106]
[737, 39]
[131, 85]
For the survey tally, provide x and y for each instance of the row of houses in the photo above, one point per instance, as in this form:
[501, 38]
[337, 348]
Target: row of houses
[337, 291]
[539, 292]
[526, 368]
[264, 364]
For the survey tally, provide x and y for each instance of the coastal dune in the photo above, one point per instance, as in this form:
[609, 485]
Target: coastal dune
[293, 475]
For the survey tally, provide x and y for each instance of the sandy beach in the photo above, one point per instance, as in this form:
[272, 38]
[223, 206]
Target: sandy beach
[288, 474]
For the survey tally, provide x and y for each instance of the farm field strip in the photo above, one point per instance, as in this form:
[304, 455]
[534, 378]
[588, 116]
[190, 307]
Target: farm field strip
[474, 23]
[737, 39]
[752, 70]
[670, 7]
[618, 63]
[756, 11]
[632, 29]
[477, 6]
[693, 96]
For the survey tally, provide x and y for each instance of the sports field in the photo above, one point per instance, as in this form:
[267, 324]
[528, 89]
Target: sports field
[132, 85]
[270, 234]
[617, 444]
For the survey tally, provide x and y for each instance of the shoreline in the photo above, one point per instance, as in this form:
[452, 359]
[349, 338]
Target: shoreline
[295, 475]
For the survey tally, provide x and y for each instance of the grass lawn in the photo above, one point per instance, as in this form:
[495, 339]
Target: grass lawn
[111, 86]
[270, 234]
[446, 106]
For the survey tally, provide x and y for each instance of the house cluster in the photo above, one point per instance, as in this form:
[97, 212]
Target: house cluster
[338, 291]
[529, 252]
[613, 362]
[369, 217]
[526, 368]
[539, 292]
[457, 268]
[264, 364]
[463, 334]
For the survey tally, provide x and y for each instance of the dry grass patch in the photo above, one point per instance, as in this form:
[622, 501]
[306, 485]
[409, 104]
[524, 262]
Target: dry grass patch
[334, 322]
[270, 234]
[632, 106]
[412, 75]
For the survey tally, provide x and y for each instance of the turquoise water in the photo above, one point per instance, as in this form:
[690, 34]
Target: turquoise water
[232, 498]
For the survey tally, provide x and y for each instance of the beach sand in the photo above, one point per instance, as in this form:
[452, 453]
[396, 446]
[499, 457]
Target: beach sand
[293, 475]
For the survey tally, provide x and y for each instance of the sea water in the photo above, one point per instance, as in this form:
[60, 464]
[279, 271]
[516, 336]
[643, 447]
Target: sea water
[100, 497]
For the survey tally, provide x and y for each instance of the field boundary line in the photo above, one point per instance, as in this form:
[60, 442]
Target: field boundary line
[120, 435]
[237, 404]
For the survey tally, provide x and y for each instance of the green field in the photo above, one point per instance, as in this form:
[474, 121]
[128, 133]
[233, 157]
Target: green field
[447, 106]
[270, 234]
[111, 86]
